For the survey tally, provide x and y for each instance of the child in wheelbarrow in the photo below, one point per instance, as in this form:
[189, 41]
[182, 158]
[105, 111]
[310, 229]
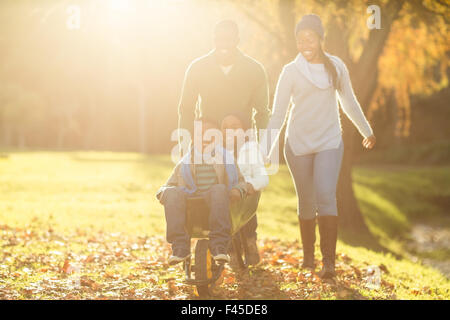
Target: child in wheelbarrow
[243, 145]
[210, 173]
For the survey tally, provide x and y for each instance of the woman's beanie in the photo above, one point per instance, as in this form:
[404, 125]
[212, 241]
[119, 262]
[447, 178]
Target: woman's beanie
[312, 22]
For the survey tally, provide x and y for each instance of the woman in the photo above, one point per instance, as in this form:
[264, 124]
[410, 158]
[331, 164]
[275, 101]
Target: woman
[314, 146]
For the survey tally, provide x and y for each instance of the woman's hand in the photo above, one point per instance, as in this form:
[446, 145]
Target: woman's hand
[369, 142]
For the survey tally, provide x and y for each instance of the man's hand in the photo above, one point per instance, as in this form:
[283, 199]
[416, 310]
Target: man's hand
[250, 189]
[235, 195]
[159, 195]
[369, 142]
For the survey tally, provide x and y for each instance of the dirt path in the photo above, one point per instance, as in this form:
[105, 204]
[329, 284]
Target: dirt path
[428, 240]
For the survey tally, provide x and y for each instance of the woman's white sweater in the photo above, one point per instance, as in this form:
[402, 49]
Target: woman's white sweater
[314, 124]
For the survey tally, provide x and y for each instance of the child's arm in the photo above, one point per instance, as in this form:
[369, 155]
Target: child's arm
[240, 189]
[171, 182]
[236, 194]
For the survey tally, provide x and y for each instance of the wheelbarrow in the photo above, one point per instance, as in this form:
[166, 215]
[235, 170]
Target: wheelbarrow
[205, 273]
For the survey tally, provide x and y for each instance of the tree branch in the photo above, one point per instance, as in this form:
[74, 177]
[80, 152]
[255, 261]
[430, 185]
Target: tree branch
[431, 11]
[259, 22]
[373, 50]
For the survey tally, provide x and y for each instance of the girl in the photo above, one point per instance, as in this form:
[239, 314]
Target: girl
[314, 146]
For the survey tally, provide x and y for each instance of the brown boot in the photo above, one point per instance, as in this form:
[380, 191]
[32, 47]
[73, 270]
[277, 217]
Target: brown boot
[328, 238]
[308, 235]
[252, 252]
[234, 261]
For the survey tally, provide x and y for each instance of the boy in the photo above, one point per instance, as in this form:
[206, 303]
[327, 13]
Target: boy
[219, 183]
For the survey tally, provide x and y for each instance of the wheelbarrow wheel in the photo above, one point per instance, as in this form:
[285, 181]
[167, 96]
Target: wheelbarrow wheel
[203, 266]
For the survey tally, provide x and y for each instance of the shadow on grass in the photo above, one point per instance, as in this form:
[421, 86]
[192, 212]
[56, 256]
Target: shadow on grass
[422, 194]
[368, 241]
[257, 284]
[265, 284]
[260, 284]
[345, 292]
[379, 223]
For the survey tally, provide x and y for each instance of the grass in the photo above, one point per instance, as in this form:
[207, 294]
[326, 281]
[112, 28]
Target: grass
[392, 198]
[431, 153]
[95, 194]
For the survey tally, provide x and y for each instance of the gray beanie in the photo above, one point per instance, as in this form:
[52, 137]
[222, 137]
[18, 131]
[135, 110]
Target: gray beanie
[312, 22]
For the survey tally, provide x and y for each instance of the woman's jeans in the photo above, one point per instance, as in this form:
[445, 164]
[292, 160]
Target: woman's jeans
[315, 177]
[217, 199]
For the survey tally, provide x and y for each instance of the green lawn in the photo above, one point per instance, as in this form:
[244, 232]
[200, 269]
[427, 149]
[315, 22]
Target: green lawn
[60, 210]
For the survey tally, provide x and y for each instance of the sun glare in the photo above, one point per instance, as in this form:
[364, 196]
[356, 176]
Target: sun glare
[119, 5]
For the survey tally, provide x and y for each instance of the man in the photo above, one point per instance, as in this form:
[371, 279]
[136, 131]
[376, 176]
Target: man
[226, 81]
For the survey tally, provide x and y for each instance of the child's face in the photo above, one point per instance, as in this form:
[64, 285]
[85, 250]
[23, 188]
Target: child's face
[231, 125]
[208, 138]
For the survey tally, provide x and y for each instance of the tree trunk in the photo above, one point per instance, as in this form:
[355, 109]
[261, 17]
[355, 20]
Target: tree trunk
[350, 217]
[364, 75]
[7, 135]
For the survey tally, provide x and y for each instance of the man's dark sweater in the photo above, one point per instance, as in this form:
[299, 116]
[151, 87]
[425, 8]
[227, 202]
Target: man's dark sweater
[240, 91]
